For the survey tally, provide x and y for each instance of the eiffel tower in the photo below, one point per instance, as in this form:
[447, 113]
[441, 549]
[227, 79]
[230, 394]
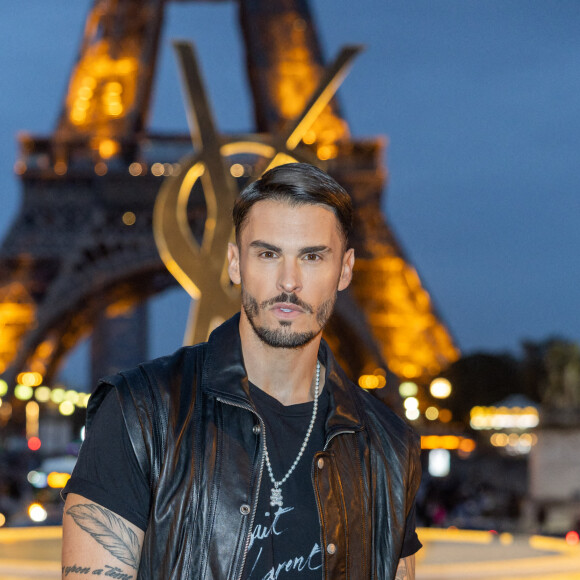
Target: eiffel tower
[80, 258]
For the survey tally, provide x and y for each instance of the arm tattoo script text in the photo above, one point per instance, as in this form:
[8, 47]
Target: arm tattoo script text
[107, 571]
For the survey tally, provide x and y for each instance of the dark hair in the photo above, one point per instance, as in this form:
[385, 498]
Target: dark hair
[296, 184]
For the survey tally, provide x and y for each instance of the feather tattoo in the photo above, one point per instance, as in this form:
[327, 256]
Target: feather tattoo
[109, 530]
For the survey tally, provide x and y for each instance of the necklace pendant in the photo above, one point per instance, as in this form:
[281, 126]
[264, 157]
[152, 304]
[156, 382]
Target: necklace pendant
[276, 497]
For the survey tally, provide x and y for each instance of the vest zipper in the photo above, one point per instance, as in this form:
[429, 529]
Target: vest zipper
[255, 503]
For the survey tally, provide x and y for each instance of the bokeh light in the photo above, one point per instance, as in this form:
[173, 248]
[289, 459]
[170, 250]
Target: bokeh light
[37, 513]
[440, 388]
[34, 443]
[23, 392]
[408, 389]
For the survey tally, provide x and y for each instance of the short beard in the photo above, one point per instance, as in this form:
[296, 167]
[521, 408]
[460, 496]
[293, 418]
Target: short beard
[283, 337]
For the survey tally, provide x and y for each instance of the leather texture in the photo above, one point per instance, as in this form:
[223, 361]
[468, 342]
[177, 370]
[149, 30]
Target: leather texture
[191, 423]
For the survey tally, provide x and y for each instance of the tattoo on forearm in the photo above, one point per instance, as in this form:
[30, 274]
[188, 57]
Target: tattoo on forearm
[74, 569]
[406, 569]
[110, 531]
[107, 571]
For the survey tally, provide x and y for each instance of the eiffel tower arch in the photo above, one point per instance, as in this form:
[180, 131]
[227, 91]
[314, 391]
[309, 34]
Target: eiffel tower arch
[81, 259]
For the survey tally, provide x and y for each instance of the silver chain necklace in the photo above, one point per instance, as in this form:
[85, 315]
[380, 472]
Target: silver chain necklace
[276, 491]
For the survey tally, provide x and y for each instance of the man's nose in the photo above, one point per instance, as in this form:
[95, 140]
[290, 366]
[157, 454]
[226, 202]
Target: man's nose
[289, 276]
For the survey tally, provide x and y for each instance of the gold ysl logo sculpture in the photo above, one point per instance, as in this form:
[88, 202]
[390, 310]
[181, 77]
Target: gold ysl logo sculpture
[202, 269]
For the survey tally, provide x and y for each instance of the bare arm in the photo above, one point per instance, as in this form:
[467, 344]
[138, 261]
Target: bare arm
[95, 538]
[406, 569]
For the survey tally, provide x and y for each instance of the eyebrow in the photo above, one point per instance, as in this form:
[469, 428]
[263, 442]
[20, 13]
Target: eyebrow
[265, 245]
[314, 250]
[260, 244]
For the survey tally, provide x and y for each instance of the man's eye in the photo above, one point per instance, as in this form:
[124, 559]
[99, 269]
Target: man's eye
[268, 255]
[312, 257]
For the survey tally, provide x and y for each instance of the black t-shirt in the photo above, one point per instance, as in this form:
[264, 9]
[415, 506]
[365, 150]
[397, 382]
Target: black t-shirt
[285, 541]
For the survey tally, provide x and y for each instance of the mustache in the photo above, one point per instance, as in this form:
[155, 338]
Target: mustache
[288, 298]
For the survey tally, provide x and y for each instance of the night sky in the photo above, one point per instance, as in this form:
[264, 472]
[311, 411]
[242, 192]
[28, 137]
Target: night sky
[480, 101]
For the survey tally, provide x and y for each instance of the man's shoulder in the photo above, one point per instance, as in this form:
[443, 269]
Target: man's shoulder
[375, 414]
[379, 416]
[183, 357]
[164, 374]
[377, 408]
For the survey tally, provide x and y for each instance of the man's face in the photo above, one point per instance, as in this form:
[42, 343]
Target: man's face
[290, 263]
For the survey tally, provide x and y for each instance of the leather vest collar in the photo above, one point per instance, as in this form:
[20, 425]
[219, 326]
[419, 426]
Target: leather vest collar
[224, 376]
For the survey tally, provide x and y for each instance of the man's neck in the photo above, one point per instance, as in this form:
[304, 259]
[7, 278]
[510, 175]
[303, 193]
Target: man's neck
[287, 374]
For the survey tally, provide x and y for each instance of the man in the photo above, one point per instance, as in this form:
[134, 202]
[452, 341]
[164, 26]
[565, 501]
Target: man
[251, 456]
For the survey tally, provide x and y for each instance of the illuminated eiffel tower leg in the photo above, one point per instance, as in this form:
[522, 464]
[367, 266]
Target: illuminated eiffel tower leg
[84, 227]
[386, 317]
[119, 340]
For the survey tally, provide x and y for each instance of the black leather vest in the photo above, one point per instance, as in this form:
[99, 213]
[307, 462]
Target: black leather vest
[191, 424]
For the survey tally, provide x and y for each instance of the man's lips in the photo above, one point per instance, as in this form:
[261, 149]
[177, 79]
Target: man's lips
[285, 307]
[286, 302]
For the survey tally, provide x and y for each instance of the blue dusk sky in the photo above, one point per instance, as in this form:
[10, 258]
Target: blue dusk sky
[479, 101]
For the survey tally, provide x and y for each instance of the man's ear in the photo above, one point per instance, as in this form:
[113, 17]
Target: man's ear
[347, 267]
[234, 263]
